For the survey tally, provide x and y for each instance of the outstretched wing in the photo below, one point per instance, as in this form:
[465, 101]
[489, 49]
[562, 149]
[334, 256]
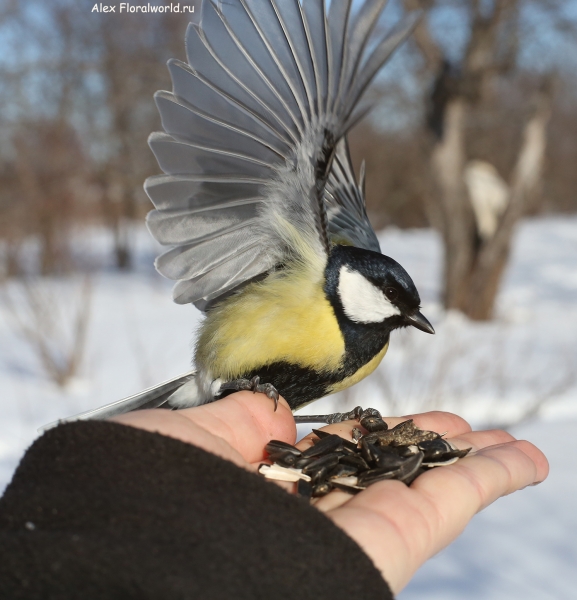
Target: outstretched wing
[250, 132]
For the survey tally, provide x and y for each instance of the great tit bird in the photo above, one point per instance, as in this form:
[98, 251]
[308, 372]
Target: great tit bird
[266, 223]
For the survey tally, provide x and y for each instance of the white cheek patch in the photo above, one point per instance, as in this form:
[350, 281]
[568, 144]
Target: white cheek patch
[362, 301]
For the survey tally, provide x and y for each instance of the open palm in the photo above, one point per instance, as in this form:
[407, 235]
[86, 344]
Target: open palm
[398, 527]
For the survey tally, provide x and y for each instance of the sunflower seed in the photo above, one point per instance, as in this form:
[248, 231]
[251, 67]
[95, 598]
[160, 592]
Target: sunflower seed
[373, 423]
[282, 473]
[275, 446]
[324, 446]
[402, 453]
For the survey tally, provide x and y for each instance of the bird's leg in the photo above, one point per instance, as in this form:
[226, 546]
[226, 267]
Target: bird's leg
[357, 413]
[252, 385]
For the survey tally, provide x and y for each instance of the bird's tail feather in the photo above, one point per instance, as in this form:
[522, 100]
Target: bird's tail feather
[153, 397]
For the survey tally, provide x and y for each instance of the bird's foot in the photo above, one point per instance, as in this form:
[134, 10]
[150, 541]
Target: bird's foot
[358, 414]
[252, 385]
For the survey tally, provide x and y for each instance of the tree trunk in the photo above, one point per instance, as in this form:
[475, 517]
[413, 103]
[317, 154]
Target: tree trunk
[494, 253]
[455, 218]
[474, 267]
[112, 203]
[475, 259]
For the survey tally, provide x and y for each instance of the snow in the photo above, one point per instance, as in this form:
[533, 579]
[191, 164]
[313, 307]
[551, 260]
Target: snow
[522, 366]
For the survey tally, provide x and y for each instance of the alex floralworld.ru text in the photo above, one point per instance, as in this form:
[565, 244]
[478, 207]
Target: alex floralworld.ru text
[125, 7]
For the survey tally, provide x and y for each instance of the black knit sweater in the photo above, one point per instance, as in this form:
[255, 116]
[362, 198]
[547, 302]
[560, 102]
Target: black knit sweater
[99, 510]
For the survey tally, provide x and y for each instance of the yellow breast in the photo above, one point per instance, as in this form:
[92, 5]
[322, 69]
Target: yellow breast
[286, 317]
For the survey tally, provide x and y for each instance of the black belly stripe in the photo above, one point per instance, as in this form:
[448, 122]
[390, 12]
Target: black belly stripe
[296, 384]
[299, 385]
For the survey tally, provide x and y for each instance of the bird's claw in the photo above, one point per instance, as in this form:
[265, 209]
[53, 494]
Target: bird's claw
[252, 385]
[357, 414]
[265, 388]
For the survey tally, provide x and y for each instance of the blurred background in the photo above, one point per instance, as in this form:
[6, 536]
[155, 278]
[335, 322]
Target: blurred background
[471, 170]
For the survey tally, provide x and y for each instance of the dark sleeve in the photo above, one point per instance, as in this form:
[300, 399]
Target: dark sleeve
[99, 510]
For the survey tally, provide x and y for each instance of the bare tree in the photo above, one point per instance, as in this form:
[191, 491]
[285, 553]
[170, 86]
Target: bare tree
[89, 78]
[55, 330]
[49, 167]
[475, 208]
[131, 51]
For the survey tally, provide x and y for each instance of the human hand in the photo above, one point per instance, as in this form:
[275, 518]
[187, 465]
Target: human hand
[398, 527]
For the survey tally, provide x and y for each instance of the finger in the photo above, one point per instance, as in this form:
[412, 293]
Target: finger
[495, 439]
[436, 420]
[468, 486]
[418, 521]
[473, 482]
[439, 421]
[374, 528]
[237, 427]
[176, 425]
[481, 439]
[332, 500]
[480, 479]
[246, 421]
[533, 453]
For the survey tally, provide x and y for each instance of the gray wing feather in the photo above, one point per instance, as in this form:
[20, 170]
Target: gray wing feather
[360, 29]
[189, 86]
[178, 157]
[345, 199]
[197, 258]
[250, 135]
[291, 19]
[186, 226]
[183, 122]
[229, 52]
[316, 30]
[188, 192]
[221, 280]
[274, 56]
[338, 18]
[153, 397]
[375, 60]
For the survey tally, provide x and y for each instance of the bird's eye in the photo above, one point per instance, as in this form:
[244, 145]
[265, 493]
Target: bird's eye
[391, 293]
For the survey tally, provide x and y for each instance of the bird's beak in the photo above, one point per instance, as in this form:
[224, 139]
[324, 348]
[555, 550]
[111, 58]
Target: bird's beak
[416, 319]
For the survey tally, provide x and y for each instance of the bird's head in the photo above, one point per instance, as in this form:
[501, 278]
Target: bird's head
[367, 288]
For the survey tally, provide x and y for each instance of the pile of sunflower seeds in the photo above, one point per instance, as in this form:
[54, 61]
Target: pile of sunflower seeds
[403, 453]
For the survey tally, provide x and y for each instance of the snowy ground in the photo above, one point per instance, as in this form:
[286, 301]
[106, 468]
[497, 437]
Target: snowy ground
[522, 364]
